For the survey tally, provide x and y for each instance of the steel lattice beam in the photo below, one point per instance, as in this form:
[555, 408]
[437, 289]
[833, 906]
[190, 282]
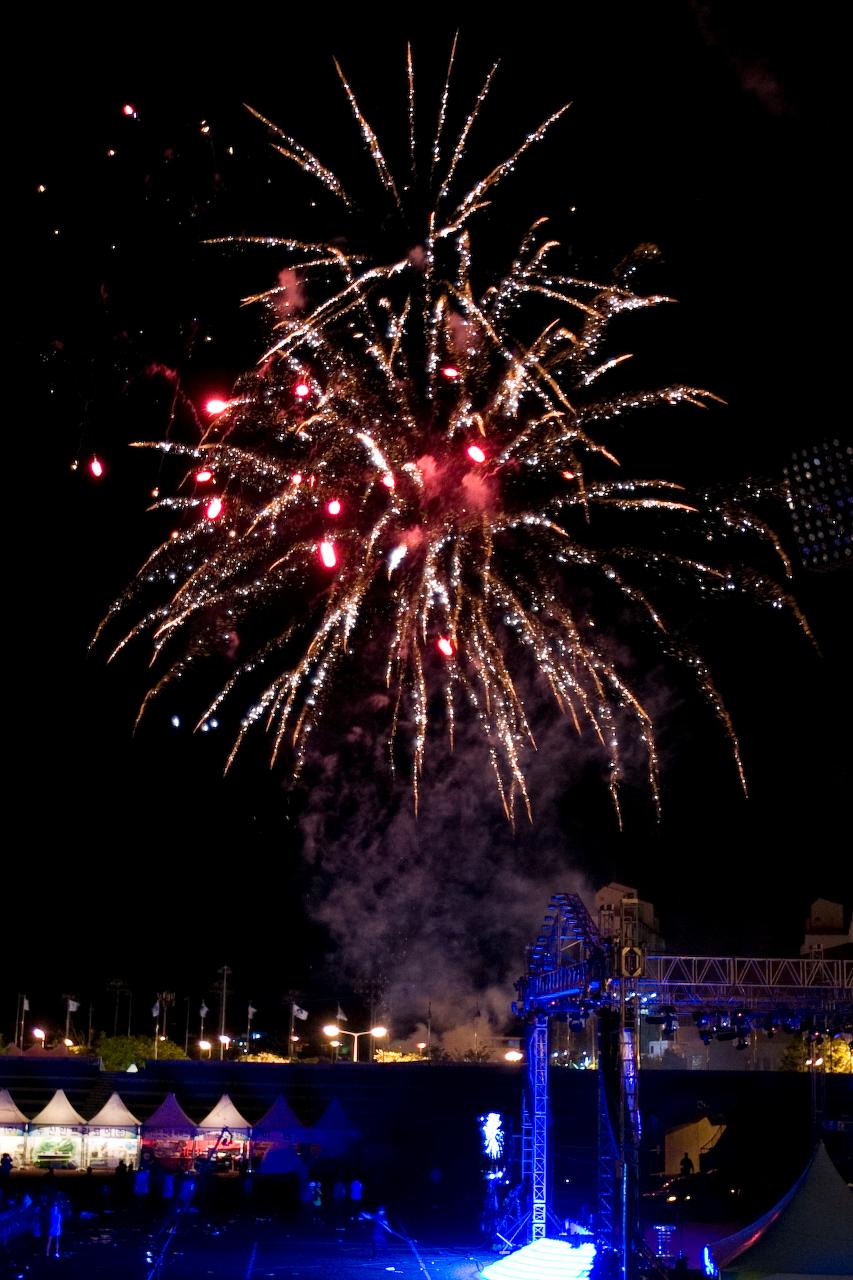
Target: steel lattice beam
[537, 1051]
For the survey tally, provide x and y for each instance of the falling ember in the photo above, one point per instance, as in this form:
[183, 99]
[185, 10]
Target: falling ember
[204, 476]
[128, 110]
[489, 573]
[96, 467]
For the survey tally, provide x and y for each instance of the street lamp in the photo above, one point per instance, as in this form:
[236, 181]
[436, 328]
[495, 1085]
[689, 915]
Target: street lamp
[331, 1031]
[513, 1055]
[204, 1044]
[224, 1042]
[38, 1034]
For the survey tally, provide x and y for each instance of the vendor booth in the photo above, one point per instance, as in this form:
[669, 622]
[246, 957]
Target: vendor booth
[276, 1139]
[332, 1135]
[168, 1136]
[113, 1135]
[57, 1135]
[222, 1137]
[13, 1130]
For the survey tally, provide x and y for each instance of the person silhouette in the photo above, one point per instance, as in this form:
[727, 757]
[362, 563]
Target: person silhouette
[686, 1166]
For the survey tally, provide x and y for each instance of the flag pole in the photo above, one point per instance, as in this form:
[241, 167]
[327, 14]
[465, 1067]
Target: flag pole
[290, 1041]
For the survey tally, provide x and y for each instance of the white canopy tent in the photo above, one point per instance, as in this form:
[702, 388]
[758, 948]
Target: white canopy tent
[13, 1130]
[225, 1131]
[56, 1135]
[113, 1135]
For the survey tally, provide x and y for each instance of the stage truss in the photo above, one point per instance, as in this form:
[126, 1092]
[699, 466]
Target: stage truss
[575, 969]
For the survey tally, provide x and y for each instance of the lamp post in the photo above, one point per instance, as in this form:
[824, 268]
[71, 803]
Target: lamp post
[38, 1034]
[333, 1031]
[204, 1044]
[224, 1042]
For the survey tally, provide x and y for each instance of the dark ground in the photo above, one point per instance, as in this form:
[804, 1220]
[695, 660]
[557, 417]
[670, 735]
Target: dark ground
[227, 1237]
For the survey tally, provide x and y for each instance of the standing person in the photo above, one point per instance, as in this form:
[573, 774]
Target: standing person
[381, 1230]
[686, 1166]
[54, 1225]
[356, 1194]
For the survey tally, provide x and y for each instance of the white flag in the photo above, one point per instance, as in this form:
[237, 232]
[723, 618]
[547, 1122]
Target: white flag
[203, 1011]
[155, 1012]
[26, 1005]
[73, 1006]
[300, 1013]
[342, 1017]
[252, 1012]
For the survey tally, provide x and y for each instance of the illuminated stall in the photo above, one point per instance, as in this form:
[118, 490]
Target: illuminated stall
[222, 1137]
[57, 1135]
[276, 1139]
[113, 1135]
[168, 1136]
[13, 1130]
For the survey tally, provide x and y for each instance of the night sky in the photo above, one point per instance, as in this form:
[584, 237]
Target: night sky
[706, 129]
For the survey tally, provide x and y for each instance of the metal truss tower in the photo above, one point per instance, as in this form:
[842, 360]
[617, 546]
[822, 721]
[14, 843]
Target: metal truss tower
[537, 1049]
[574, 970]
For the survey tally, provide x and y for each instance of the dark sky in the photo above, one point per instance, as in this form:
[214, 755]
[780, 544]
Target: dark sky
[707, 129]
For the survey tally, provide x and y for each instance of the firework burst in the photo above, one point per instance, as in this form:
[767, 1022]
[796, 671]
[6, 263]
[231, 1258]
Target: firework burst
[420, 461]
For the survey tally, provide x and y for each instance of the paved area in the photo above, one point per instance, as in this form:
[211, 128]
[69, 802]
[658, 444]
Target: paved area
[193, 1246]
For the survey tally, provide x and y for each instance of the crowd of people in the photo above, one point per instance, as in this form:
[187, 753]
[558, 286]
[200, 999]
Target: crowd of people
[41, 1218]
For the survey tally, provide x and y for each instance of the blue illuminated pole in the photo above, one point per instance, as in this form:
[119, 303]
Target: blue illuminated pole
[537, 1057]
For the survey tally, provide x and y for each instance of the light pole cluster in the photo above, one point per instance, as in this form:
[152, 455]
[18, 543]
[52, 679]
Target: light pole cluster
[333, 1031]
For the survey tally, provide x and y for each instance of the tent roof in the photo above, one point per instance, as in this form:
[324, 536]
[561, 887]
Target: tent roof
[170, 1115]
[224, 1115]
[334, 1119]
[809, 1232]
[279, 1118]
[114, 1114]
[9, 1112]
[58, 1111]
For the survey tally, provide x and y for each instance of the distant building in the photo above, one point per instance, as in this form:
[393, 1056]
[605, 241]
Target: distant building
[825, 928]
[608, 902]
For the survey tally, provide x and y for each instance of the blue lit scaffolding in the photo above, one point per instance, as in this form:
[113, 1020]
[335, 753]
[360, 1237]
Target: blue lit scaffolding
[574, 969]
